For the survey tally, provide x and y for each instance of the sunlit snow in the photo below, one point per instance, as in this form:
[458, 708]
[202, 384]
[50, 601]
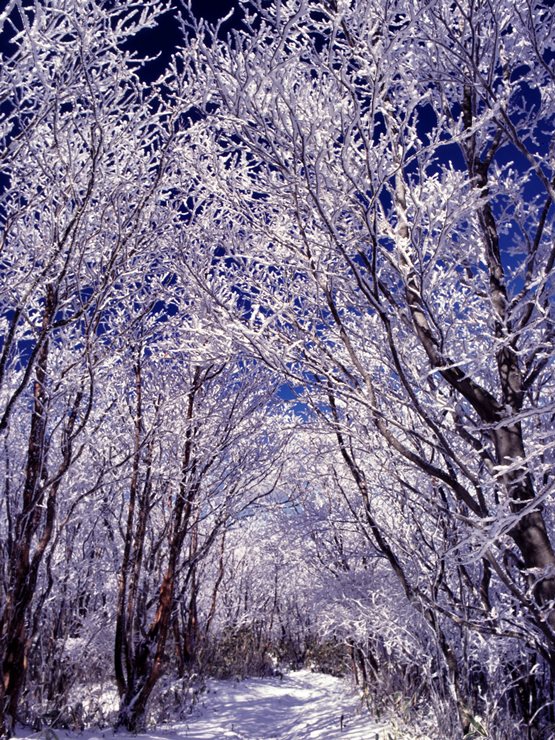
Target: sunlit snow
[300, 705]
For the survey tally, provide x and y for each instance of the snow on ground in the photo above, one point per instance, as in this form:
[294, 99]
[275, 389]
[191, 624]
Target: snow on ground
[300, 706]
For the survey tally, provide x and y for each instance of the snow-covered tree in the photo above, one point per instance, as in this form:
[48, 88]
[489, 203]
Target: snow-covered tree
[205, 447]
[376, 185]
[81, 147]
[346, 201]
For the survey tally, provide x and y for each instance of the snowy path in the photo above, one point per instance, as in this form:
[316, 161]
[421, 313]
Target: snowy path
[301, 706]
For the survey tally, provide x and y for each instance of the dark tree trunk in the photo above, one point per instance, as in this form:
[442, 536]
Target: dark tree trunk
[149, 657]
[23, 567]
[147, 661]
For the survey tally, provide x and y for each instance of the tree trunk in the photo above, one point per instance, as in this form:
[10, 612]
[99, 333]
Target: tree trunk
[149, 658]
[147, 661]
[22, 567]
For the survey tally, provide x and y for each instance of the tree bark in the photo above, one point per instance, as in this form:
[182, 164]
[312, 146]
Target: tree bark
[23, 565]
[148, 659]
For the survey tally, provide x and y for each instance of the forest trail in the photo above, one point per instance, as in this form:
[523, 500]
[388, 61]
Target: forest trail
[300, 706]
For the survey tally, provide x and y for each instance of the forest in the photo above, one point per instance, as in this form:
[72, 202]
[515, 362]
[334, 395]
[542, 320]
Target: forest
[277, 357]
